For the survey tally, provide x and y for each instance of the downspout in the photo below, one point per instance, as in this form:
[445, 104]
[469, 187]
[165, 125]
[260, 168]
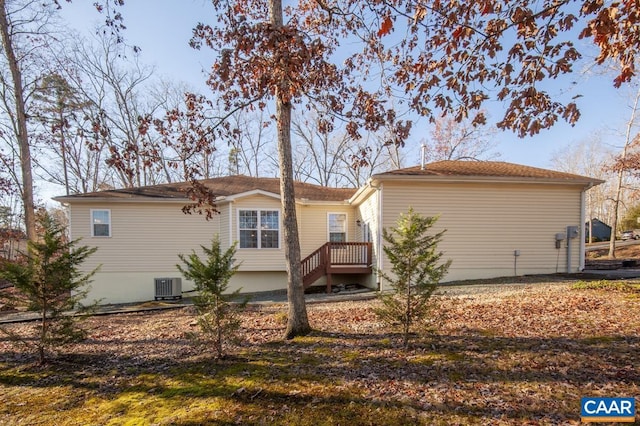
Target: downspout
[379, 236]
[231, 239]
[568, 261]
[582, 250]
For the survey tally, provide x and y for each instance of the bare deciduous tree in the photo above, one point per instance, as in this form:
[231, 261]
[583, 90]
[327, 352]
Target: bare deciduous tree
[251, 143]
[116, 87]
[59, 109]
[460, 140]
[626, 161]
[591, 157]
[25, 33]
[319, 154]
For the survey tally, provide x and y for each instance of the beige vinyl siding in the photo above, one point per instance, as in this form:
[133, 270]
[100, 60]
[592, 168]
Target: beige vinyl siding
[145, 241]
[486, 222]
[313, 224]
[257, 281]
[262, 259]
[224, 216]
[368, 214]
[126, 287]
[145, 237]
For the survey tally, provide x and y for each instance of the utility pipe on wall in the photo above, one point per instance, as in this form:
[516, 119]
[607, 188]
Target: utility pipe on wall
[582, 249]
[572, 232]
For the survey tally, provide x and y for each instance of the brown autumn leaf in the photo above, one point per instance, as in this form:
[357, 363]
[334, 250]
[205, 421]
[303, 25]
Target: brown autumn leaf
[515, 353]
[385, 27]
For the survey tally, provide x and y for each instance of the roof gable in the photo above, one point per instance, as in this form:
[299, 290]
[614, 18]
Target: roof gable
[252, 193]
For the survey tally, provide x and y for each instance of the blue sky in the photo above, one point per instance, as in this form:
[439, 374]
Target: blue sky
[162, 29]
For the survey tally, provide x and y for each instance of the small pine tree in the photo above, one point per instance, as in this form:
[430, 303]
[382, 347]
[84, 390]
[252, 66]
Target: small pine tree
[415, 272]
[218, 315]
[48, 280]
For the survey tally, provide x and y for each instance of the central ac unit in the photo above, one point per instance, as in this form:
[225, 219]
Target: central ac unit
[168, 288]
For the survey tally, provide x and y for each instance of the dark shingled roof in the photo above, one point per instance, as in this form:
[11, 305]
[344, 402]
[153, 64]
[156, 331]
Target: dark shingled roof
[495, 169]
[222, 186]
[232, 185]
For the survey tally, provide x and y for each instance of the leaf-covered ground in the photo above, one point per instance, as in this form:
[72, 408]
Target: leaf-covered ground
[523, 356]
[624, 252]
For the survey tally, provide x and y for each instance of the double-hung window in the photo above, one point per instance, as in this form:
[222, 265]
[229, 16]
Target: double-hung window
[100, 223]
[259, 228]
[337, 227]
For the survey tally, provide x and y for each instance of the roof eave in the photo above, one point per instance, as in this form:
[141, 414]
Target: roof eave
[587, 182]
[363, 192]
[307, 202]
[170, 200]
[137, 199]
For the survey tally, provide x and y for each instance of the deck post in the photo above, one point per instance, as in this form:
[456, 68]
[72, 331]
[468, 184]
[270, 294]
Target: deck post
[328, 267]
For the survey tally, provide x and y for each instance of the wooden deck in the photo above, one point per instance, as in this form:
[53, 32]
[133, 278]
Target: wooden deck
[337, 258]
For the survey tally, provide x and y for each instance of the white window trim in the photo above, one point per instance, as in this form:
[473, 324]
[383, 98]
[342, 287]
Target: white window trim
[92, 223]
[346, 225]
[244, 209]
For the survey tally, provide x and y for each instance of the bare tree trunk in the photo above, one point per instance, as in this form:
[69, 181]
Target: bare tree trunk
[43, 330]
[407, 324]
[63, 153]
[21, 117]
[217, 309]
[618, 194]
[297, 322]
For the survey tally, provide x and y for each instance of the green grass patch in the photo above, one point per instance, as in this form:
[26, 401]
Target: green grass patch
[602, 340]
[428, 359]
[16, 377]
[309, 359]
[621, 286]
[351, 356]
[140, 408]
[384, 343]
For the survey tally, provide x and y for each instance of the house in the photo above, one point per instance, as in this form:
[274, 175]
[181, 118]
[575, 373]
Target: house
[600, 230]
[501, 219]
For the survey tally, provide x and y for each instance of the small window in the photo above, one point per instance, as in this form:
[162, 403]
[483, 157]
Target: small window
[100, 223]
[259, 228]
[337, 227]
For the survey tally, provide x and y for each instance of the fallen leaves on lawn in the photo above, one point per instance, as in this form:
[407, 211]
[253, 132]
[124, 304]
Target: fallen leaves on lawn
[521, 357]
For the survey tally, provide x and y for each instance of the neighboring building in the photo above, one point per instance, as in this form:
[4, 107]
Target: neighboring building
[600, 230]
[501, 219]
